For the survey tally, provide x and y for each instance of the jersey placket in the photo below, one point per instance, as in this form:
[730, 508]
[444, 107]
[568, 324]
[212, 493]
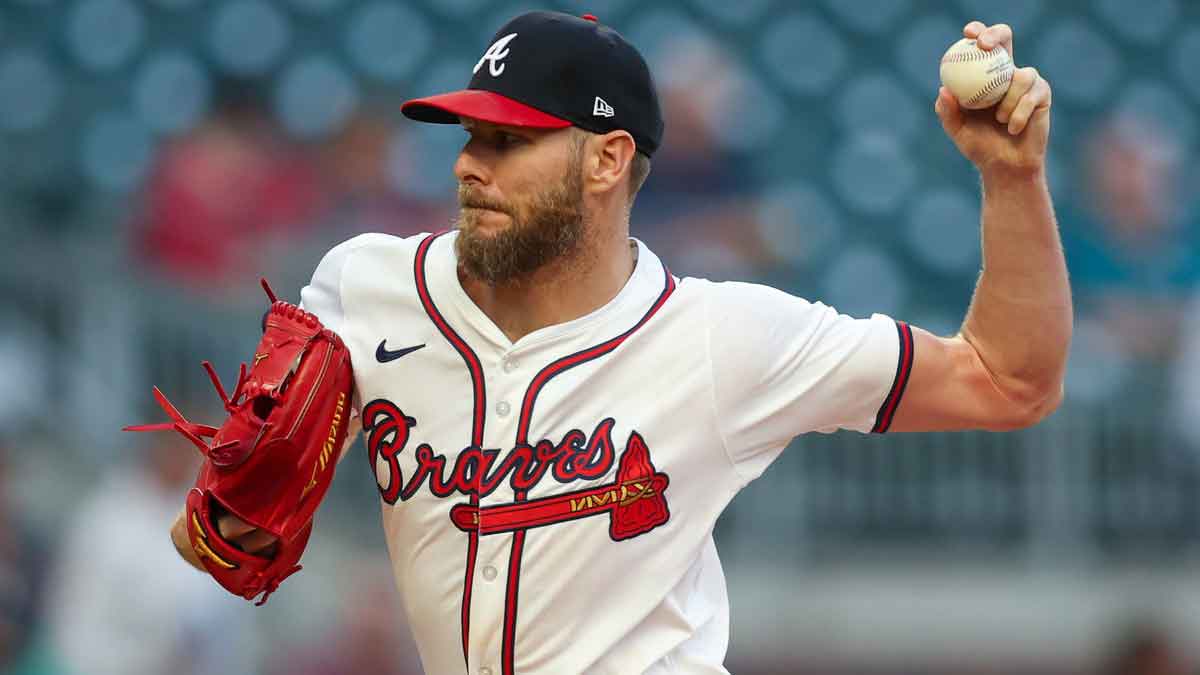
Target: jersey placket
[527, 410]
[505, 384]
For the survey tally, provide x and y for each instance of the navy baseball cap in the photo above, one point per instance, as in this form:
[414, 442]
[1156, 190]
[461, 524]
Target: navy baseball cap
[551, 70]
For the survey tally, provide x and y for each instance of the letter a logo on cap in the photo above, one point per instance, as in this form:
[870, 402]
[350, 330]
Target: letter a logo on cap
[601, 108]
[494, 55]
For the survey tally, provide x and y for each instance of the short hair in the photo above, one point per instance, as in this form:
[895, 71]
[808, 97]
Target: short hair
[639, 169]
[639, 166]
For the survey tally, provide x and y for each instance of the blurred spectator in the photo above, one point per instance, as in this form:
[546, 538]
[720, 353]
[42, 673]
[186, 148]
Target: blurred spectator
[361, 169]
[1130, 241]
[22, 577]
[370, 635]
[1147, 649]
[697, 208]
[361, 165]
[210, 194]
[123, 602]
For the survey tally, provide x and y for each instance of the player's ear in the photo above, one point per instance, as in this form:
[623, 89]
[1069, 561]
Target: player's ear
[607, 158]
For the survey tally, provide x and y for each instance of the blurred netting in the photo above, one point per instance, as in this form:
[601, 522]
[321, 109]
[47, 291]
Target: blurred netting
[157, 156]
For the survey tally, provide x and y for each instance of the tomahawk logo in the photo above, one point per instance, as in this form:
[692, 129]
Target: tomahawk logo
[601, 108]
[494, 55]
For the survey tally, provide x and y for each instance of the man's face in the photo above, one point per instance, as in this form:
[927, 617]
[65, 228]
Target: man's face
[520, 194]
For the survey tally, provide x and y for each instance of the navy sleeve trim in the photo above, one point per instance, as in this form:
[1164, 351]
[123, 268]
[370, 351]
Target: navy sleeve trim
[904, 363]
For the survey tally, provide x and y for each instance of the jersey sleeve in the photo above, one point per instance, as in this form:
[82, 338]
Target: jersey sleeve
[323, 294]
[783, 366]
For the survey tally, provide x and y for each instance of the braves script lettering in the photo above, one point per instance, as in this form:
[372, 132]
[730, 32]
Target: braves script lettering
[636, 502]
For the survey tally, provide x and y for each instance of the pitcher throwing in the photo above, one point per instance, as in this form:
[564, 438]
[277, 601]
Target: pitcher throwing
[555, 421]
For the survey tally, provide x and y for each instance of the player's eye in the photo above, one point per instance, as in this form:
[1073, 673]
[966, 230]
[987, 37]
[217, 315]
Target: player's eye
[505, 140]
[498, 140]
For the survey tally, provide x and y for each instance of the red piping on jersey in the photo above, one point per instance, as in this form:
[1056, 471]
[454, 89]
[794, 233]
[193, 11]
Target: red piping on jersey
[904, 363]
[508, 643]
[477, 417]
[455, 341]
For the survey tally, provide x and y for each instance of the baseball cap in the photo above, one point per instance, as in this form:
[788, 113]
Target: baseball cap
[552, 70]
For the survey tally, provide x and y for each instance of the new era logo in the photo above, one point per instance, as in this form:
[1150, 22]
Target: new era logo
[601, 108]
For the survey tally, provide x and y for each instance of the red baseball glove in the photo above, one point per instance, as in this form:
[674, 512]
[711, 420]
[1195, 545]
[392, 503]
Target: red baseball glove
[271, 462]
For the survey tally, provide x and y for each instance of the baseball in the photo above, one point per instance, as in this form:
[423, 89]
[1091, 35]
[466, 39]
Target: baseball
[977, 78]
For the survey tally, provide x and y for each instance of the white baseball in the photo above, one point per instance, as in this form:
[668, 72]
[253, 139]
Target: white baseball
[977, 78]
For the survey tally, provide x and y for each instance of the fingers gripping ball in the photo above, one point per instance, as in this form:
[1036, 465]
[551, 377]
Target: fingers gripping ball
[977, 78]
[272, 460]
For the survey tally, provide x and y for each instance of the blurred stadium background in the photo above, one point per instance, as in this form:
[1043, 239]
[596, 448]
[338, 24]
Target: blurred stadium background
[157, 156]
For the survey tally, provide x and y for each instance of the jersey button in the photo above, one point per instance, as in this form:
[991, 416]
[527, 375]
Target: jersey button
[509, 365]
[502, 408]
[485, 671]
[489, 573]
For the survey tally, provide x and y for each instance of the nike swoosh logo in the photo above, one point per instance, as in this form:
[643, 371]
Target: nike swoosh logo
[384, 355]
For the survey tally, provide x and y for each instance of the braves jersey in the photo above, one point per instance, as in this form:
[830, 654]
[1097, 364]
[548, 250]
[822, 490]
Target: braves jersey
[549, 503]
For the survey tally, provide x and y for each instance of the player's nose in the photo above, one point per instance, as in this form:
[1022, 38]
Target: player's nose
[469, 169]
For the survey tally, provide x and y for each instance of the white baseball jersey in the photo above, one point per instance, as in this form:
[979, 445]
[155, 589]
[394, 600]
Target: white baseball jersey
[549, 503]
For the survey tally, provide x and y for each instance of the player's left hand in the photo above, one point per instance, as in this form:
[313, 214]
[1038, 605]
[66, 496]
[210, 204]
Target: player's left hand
[1011, 136]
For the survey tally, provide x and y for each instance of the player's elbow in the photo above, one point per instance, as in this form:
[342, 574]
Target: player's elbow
[1027, 404]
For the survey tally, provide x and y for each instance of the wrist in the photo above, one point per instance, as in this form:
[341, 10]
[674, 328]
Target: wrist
[1005, 174]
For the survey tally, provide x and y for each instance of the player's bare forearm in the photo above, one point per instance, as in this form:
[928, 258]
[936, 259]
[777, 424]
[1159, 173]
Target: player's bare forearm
[1020, 317]
[1005, 370]
[1019, 321]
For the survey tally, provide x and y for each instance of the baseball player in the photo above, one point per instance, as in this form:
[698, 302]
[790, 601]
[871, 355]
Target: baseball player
[556, 421]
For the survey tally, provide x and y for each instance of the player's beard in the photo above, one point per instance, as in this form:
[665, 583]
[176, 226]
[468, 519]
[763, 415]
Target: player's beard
[549, 227]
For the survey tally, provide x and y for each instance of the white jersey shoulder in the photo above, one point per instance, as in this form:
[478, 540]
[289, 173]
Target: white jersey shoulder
[548, 503]
[323, 295]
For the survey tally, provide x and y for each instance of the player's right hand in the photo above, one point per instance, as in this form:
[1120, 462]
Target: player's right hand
[1014, 136]
[245, 536]
[232, 529]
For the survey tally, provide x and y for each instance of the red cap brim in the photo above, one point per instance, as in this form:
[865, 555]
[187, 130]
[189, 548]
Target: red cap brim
[481, 105]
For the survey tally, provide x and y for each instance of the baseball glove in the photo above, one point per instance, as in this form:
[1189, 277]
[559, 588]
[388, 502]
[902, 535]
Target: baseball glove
[272, 461]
